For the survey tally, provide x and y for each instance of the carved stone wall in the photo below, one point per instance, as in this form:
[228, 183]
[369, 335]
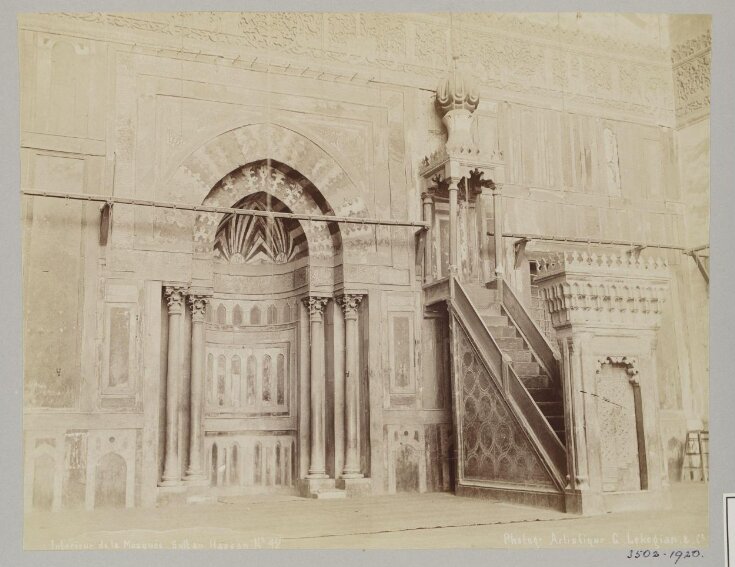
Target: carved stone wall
[607, 311]
[691, 55]
[172, 106]
[691, 60]
[628, 73]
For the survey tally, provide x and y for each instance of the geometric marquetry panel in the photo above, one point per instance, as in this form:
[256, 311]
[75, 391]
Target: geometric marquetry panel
[493, 446]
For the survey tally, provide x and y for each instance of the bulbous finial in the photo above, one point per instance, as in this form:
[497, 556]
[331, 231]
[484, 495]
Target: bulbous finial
[457, 91]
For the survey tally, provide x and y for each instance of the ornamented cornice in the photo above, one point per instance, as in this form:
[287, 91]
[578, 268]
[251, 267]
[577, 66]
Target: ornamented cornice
[603, 290]
[507, 51]
[552, 31]
[622, 264]
[175, 298]
[349, 303]
[316, 304]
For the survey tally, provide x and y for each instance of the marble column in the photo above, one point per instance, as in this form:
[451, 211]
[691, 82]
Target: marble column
[453, 189]
[194, 472]
[175, 297]
[427, 202]
[317, 462]
[349, 304]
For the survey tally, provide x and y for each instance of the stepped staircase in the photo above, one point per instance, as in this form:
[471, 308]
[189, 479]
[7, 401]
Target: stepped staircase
[495, 336]
[543, 388]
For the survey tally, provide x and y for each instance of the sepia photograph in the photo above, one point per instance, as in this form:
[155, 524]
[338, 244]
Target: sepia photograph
[365, 280]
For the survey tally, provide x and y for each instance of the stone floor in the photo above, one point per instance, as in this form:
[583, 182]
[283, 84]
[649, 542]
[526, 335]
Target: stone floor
[401, 521]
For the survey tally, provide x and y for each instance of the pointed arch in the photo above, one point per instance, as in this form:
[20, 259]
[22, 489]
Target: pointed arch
[267, 185]
[237, 316]
[110, 483]
[198, 172]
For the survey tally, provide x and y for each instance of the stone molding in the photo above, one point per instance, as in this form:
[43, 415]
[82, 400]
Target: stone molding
[592, 263]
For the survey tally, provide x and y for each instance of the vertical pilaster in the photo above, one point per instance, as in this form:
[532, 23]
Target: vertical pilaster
[194, 472]
[349, 304]
[175, 297]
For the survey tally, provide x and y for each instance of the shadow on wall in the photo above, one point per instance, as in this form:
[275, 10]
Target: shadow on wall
[675, 451]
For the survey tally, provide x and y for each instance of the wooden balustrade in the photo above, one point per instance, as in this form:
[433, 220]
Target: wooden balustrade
[548, 356]
[507, 380]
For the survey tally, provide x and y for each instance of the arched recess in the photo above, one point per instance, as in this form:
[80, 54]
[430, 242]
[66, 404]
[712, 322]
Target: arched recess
[268, 185]
[110, 482]
[289, 151]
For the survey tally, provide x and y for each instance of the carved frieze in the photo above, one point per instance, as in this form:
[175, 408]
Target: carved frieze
[509, 51]
[603, 290]
[692, 69]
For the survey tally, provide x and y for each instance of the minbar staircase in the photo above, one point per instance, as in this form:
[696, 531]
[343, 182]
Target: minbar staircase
[543, 388]
[507, 400]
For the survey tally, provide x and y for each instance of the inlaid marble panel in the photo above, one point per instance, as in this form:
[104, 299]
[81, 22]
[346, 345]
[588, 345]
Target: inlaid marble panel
[253, 379]
[252, 461]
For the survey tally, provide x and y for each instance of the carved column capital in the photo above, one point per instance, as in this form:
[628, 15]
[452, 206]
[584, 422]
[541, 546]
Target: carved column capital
[198, 304]
[175, 297]
[316, 305]
[349, 302]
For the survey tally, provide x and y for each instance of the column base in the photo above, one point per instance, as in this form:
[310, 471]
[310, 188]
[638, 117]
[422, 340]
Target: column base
[352, 475]
[316, 487]
[583, 502]
[590, 503]
[196, 479]
[172, 485]
[317, 475]
[356, 486]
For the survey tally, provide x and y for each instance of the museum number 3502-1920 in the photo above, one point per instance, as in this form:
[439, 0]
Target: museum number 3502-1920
[675, 556]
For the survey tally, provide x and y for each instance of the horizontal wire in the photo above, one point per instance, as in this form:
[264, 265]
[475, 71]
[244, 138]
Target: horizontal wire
[225, 210]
